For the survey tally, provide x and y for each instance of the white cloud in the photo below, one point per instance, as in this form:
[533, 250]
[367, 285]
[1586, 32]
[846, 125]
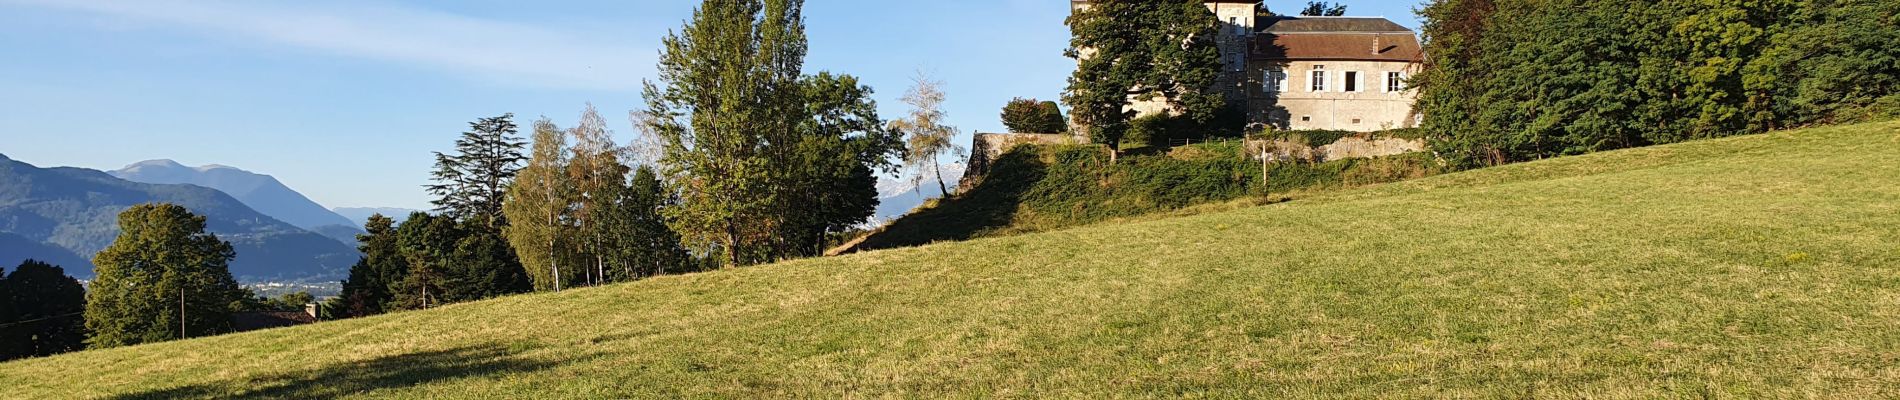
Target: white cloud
[507, 52]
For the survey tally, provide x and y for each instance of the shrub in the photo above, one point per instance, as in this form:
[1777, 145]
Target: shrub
[1031, 116]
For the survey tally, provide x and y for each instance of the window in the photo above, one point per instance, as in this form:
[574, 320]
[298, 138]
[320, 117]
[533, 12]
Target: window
[1352, 81]
[1319, 78]
[1275, 80]
[1394, 82]
[1306, 118]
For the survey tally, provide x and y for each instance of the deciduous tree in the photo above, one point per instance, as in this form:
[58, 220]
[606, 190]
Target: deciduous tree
[164, 273]
[539, 207]
[1142, 50]
[930, 137]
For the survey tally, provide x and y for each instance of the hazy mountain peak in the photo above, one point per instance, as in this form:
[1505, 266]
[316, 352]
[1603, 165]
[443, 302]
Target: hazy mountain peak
[258, 191]
[159, 163]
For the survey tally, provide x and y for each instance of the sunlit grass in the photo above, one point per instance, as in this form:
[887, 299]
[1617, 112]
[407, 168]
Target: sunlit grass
[1758, 266]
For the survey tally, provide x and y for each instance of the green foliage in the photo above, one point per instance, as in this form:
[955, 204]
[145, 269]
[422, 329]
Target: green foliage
[367, 290]
[162, 261]
[642, 244]
[1164, 47]
[1323, 9]
[1515, 80]
[40, 312]
[749, 143]
[539, 207]
[450, 262]
[288, 302]
[469, 184]
[1036, 188]
[1023, 115]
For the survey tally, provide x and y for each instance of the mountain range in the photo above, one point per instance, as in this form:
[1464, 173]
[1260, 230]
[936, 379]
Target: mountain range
[258, 191]
[897, 196]
[76, 210]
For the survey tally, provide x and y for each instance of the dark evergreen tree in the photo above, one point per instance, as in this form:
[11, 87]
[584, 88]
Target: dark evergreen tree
[40, 309]
[645, 245]
[470, 184]
[366, 291]
[427, 244]
[485, 267]
[163, 267]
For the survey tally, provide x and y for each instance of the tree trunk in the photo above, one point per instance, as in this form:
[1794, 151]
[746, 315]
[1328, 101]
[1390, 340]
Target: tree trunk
[556, 264]
[942, 190]
[732, 245]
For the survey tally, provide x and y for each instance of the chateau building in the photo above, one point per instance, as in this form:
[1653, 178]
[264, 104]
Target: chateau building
[1300, 72]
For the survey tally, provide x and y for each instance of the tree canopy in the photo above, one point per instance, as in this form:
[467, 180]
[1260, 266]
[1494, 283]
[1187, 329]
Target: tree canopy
[753, 148]
[162, 274]
[1142, 50]
[40, 312]
[1511, 80]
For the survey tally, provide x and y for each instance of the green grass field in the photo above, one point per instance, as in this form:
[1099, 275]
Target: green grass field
[1757, 266]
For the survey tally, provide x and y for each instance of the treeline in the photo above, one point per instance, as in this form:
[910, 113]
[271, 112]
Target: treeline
[738, 158]
[1512, 80]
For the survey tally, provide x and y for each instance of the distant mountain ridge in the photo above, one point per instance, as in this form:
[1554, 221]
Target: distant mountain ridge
[77, 210]
[260, 192]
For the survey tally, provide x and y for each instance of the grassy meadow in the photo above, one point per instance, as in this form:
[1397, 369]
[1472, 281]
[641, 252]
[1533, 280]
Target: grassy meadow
[1755, 266]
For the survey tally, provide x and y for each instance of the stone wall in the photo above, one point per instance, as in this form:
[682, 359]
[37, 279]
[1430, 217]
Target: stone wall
[1344, 148]
[986, 147]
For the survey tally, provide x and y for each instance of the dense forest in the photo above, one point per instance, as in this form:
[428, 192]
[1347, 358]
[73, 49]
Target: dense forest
[1513, 80]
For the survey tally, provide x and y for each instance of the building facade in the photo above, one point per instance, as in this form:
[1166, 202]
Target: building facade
[1333, 73]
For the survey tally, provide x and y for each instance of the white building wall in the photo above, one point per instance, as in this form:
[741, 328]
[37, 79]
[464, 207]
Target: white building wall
[1371, 108]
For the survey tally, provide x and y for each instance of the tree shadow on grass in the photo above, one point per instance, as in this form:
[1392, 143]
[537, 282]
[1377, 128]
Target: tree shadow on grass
[989, 205]
[338, 380]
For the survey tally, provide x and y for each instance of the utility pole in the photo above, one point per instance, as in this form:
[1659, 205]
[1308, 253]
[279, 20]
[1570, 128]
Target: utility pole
[181, 313]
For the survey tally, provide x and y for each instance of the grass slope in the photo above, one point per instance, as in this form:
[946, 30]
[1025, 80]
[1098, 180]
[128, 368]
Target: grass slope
[1758, 266]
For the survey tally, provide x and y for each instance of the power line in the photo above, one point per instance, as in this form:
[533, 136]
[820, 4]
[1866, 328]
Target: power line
[39, 319]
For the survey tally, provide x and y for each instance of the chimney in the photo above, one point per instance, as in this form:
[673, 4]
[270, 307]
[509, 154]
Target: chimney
[1378, 45]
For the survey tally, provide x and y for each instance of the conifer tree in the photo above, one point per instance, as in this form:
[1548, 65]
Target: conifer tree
[469, 184]
[41, 308]
[366, 290]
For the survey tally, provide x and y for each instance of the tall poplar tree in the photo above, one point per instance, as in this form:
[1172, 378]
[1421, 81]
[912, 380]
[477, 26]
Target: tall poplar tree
[710, 109]
[163, 274]
[740, 129]
[538, 208]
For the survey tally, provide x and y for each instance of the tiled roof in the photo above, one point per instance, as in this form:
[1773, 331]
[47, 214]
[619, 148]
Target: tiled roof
[1335, 38]
[1288, 24]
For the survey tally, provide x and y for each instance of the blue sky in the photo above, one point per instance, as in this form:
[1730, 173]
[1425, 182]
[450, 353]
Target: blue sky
[344, 99]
